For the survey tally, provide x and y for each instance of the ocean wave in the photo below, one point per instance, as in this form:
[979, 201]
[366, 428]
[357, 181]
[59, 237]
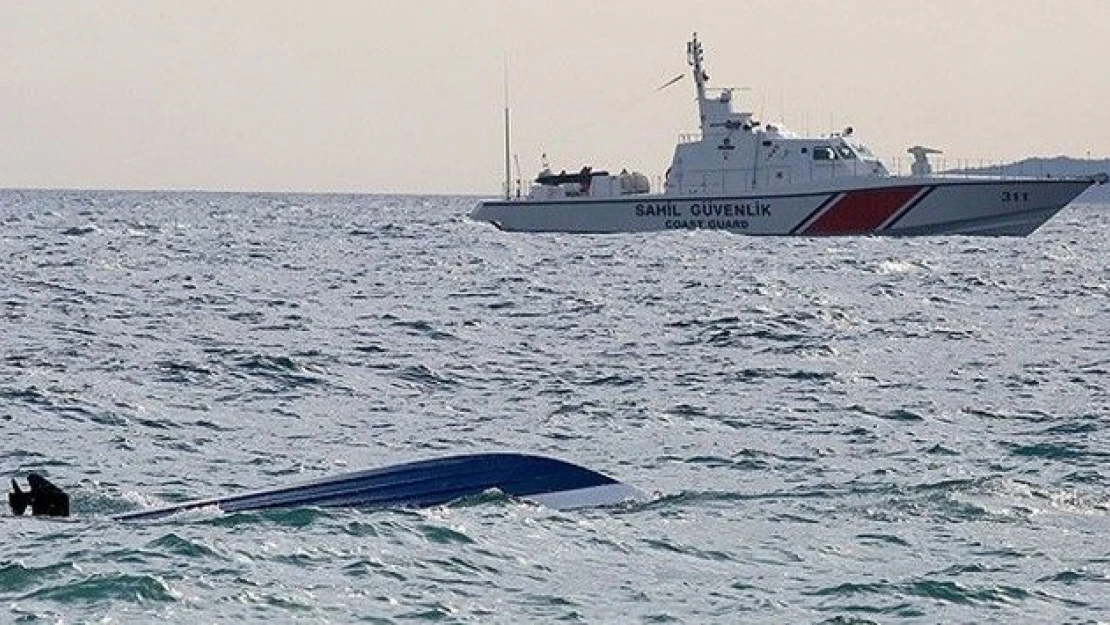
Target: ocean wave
[104, 588]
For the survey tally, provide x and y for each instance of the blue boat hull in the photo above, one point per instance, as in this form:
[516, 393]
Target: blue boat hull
[425, 483]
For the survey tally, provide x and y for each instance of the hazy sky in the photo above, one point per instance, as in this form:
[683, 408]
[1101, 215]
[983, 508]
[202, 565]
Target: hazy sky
[407, 95]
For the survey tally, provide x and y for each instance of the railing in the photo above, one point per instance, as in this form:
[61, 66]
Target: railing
[972, 167]
[769, 177]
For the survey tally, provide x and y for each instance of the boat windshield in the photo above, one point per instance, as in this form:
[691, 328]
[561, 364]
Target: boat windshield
[862, 150]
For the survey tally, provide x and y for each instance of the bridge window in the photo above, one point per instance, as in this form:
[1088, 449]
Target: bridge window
[845, 152]
[823, 153]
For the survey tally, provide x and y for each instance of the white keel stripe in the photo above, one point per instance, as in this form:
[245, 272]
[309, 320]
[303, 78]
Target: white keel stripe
[821, 209]
[902, 212]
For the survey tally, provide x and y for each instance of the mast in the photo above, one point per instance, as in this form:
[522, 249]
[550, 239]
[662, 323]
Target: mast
[695, 55]
[508, 169]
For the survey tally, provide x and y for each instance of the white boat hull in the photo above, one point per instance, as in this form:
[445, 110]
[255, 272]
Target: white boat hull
[895, 207]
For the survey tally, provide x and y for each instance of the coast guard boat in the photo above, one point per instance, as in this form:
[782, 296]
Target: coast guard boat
[742, 176]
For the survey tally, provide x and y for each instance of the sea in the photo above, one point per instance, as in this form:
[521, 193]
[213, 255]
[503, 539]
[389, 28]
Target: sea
[827, 430]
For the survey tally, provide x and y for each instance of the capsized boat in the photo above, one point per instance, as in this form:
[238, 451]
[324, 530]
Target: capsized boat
[742, 176]
[551, 482]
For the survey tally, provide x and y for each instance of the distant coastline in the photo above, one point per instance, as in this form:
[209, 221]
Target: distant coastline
[1057, 166]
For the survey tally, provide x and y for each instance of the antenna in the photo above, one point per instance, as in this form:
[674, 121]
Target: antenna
[670, 82]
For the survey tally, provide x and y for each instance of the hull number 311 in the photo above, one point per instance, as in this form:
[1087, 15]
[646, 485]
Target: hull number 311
[1015, 196]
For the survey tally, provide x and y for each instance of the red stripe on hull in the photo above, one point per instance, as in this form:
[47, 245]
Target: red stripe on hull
[860, 212]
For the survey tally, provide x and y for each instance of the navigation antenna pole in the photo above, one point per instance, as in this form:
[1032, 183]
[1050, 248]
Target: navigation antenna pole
[508, 168]
[695, 55]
